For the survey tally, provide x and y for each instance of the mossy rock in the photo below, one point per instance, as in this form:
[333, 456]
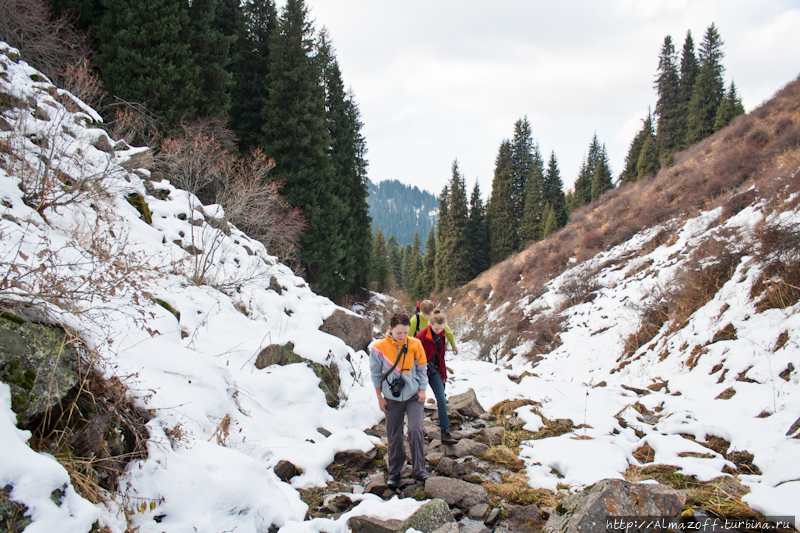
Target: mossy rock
[169, 308]
[138, 201]
[275, 354]
[38, 363]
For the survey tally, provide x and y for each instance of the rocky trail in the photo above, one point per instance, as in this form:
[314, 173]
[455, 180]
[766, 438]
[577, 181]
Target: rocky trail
[478, 485]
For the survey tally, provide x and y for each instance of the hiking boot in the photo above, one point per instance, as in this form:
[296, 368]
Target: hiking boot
[422, 477]
[393, 483]
[447, 438]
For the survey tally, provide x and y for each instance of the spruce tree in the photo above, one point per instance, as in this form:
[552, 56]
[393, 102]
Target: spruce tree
[346, 154]
[550, 224]
[250, 69]
[295, 135]
[395, 255]
[453, 266]
[500, 213]
[602, 179]
[708, 88]
[553, 192]
[532, 214]
[380, 261]
[145, 56]
[477, 235]
[442, 228]
[730, 108]
[582, 193]
[688, 76]
[631, 172]
[522, 160]
[648, 162]
[210, 52]
[429, 264]
[668, 105]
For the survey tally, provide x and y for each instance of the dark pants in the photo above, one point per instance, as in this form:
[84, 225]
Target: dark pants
[396, 457]
[435, 382]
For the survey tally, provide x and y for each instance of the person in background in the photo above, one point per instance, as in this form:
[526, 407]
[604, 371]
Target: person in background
[433, 341]
[398, 367]
[420, 321]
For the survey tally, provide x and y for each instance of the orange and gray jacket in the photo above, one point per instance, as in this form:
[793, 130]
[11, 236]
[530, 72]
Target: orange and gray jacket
[414, 371]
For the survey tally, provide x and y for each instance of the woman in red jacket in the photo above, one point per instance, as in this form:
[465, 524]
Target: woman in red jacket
[434, 342]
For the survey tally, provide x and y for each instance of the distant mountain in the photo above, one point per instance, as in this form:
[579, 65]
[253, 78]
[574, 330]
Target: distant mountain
[401, 210]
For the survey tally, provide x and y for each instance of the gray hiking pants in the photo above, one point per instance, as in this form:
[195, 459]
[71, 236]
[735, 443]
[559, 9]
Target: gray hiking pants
[396, 457]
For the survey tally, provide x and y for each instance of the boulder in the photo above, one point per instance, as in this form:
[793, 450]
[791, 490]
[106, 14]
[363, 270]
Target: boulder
[139, 158]
[432, 517]
[465, 447]
[38, 363]
[354, 330]
[468, 525]
[465, 404]
[493, 435]
[103, 143]
[275, 354]
[450, 468]
[522, 518]
[613, 498]
[371, 524]
[354, 458]
[285, 470]
[456, 492]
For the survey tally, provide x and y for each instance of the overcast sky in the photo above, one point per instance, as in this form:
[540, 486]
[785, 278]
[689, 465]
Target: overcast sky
[439, 80]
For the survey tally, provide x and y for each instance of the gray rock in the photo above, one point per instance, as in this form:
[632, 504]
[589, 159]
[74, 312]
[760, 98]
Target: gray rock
[493, 435]
[376, 485]
[456, 492]
[370, 524]
[587, 510]
[41, 114]
[730, 489]
[275, 354]
[523, 518]
[103, 143]
[448, 467]
[431, 517]
[466, 404]
[285, 470]
[4, 125]
[274, 285]
[354, 330]
[354, 458]
[477, 512]
[38, 365]
[143, 159]
[492, 518]
[467, 525]
[448, 528]
[465, 447]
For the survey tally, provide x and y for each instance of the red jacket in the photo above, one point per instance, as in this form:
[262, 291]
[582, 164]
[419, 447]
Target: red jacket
[429, 345]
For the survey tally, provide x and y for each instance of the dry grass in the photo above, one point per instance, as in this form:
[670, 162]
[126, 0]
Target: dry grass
[514, 489]
[504, 456]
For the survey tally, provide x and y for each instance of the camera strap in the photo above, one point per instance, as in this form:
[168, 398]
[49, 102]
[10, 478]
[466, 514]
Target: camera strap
[402, 354]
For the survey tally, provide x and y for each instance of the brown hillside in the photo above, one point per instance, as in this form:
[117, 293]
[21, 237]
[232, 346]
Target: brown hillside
[756, 158]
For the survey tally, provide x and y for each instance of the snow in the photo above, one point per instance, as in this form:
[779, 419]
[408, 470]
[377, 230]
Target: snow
[194, 371]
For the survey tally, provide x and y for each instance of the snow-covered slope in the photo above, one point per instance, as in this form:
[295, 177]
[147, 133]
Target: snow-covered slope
[192, 372]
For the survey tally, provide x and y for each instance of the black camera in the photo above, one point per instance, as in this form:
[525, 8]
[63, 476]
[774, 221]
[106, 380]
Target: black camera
[396, 386]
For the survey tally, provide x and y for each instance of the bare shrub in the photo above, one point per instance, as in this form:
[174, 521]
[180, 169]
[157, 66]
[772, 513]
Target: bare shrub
[655, 314]
[46, 43]
[544, 332]
[134, 124]
[200, 161]
[577, 286]
[710, 267]
[778, 286]
[80, 80]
